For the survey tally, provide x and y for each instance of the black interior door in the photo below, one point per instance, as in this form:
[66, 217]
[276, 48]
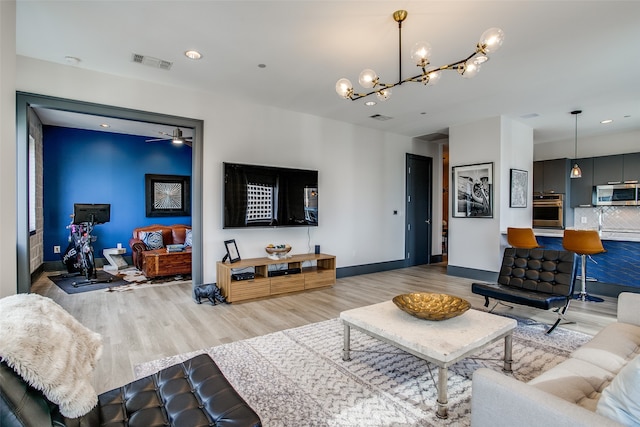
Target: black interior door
[419, 170]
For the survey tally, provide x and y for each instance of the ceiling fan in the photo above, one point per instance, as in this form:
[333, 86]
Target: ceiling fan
[176, 138]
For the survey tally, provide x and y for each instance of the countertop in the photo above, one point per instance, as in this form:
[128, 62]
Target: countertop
[616, 235]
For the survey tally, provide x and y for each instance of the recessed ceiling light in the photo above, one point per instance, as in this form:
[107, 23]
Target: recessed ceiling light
[607, 121]
[193, 54]
[72, 60]
[370, 103]
[105, 125]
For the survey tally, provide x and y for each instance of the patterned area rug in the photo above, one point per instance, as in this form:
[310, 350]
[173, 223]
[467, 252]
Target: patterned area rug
[297, 377]
[136, 280]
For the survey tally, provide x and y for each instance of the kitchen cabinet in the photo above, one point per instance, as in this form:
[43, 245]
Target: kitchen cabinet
[551, 176]
[582, 188]
[538, 177]
[631, 167]
[607, 169]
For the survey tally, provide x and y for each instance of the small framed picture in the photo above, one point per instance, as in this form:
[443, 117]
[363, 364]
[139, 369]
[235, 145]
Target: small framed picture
[232, 251]
[519, 185]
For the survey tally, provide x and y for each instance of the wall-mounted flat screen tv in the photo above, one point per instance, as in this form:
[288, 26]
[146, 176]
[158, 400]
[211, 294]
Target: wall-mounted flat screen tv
[269, 196]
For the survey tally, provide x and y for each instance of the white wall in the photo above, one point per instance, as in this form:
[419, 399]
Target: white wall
[595, 146]
[477, 243]
[8, 146]
[474, 242]
[361, 171]
[517, 153]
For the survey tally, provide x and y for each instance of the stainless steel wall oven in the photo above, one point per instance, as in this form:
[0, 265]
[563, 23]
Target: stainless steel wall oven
[548, 210]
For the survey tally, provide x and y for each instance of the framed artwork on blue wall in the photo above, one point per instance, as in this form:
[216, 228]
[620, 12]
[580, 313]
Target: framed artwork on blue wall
[167, 195]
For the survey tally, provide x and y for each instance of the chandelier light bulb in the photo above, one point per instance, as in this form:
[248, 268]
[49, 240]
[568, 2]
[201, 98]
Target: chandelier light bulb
[368, 78]
[383, 94]
[432, 76]
[491, 40]
[421, 53]
[344, 88]
[470, 69]
[480, 59]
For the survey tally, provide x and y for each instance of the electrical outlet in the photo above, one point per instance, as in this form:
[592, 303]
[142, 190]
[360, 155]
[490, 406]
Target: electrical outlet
[583, 219]
[56, 249]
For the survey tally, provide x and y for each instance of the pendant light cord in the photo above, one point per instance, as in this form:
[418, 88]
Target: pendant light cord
[575, 153]
[575, 113]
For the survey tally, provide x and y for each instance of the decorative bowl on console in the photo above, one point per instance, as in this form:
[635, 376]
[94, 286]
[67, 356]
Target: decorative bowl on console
[277, 251]
[430, 306]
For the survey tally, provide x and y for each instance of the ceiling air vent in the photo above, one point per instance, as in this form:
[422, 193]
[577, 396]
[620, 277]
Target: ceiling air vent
[152, 62]
[380, 117]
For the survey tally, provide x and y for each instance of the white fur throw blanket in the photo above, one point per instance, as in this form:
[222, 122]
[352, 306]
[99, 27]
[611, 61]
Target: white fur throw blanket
[50, 350]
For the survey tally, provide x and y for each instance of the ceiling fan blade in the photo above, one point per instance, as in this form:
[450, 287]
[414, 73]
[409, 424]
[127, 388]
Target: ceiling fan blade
[158, 139]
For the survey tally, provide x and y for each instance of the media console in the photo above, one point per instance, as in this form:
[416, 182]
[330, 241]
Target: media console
[320, 273]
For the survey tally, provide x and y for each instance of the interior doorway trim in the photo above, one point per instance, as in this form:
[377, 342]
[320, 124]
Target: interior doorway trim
[26, 100]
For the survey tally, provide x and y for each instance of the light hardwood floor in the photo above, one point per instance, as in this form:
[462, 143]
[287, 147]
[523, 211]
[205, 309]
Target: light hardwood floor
[153, 322]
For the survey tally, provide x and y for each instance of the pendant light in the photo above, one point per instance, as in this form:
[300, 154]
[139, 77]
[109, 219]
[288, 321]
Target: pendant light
[576, 172]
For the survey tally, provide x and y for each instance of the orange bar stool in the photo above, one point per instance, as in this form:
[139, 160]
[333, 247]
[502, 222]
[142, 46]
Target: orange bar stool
[522, 238]
[583, 242]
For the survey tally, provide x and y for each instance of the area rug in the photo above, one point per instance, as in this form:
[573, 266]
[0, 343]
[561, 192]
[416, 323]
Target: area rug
[136, 280]
[105, 280]
[297, 377]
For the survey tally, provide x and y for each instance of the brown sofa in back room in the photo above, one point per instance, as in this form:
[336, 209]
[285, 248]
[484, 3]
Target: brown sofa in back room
[159, 262]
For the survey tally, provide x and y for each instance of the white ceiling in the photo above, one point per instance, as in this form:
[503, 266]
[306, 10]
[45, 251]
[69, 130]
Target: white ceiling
[76, 120]
[558, 56]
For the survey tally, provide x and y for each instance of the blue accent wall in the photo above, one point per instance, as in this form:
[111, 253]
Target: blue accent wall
[618, 265]
[82, 166]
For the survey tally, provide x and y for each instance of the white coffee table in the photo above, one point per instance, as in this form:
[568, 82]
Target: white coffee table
[440, 342]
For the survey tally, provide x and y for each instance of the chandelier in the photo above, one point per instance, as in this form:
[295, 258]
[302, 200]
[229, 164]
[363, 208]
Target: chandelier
[490, 41]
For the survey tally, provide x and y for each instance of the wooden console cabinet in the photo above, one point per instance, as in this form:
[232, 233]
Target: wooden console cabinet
[317, 270]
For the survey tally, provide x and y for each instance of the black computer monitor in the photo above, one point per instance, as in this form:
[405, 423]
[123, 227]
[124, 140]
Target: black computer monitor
[91, 212]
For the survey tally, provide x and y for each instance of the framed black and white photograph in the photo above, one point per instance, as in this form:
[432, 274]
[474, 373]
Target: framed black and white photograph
[232, 251]
[519, 184]
[473, 191]
[167, 195]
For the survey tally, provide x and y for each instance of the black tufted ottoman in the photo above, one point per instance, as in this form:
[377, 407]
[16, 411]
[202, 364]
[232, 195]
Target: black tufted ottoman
[540, 278]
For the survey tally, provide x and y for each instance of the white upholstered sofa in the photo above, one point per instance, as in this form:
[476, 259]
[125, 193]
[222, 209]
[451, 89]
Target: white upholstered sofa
[590, 388]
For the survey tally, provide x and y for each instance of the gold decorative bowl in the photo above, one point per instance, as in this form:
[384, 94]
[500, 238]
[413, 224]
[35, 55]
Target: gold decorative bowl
[431, 306]
[278, 250]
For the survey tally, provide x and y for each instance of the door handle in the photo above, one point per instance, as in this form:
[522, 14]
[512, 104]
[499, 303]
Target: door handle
[428, 221]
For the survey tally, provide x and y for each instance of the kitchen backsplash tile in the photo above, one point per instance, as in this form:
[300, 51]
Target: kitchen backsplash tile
[608, 218]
